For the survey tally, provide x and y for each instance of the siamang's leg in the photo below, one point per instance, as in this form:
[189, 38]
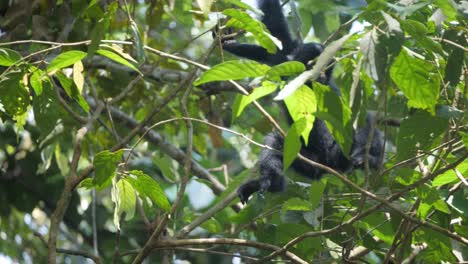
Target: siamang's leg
[358, 149]
[254, 52]
[276, 23]
[323, 149]
[270, 168]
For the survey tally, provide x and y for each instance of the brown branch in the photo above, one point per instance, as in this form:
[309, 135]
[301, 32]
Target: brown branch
[225, 241]
[65, 198]
[70, 184]
[208, 214]
[80, 253]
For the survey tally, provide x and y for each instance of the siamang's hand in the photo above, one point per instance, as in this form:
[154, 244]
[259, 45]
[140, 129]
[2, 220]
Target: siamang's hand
[227, 36]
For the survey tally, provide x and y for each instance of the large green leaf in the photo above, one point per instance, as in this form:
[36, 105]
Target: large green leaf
[72, 91]
[244, 100]
[13, 94]
[316, 191]
[124, 197]
[8, 57]
[241, 20]
[65, 59]
[105, 166]
[148, 187]
[418, 132]
[102, 26]
[302, 104]
[117, 58]
[286, 69]
[292, 142]
[296, 204]
[417, 79]
[419, 32]
[233, 70]
[336, 114]
[450, 176]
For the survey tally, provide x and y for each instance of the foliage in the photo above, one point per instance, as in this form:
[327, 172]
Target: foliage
[124, 129]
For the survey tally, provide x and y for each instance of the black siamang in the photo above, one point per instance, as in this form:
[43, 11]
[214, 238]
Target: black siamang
[321, 147]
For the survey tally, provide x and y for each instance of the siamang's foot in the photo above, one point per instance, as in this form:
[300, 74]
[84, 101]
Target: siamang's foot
[226, 37]
[243, 194]
[358, 161]
[247, 189]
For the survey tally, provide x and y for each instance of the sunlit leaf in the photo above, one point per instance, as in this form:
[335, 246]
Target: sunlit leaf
[124, 197]
[117, 58]
[417, 79]
[233, 70]
[8, 57]
[292, 142]
[244, 100]
[296, 204]
[65, 59]
[78, 77]
[242, 20]
[302, 104]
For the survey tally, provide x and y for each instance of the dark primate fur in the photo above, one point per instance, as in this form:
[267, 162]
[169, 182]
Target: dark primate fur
[322, 147]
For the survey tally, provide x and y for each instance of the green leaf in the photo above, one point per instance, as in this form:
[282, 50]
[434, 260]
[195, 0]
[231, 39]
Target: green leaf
[379, 225]
[65, 59]
[296, 204]
[138, 47]
[464, 139]
[244, 100]
[164, 164]
[118, 50]
[447, 8]
[47, 110]
[450, 176]
[336, 114]
[233, 70]
[61, 160]
[148, 187]
[286, 69]
[416, 134]
[316, 191]
[292, 142]
[86, 184]
[302, 104]
[417, 79]
[117, 58]
[419, 32]
[72, 91]
[8, 57]
[322, 62]
[13, 94]
[459, 203]
[123, 195]
[101, 28]
[37, 77]
[212, 226]
[241, 20]
[105, 166]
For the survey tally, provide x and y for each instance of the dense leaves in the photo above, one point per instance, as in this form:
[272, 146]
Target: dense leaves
[117, 121]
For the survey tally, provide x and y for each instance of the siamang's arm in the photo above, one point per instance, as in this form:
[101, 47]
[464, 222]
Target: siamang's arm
[276, 23]
[254, 52]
